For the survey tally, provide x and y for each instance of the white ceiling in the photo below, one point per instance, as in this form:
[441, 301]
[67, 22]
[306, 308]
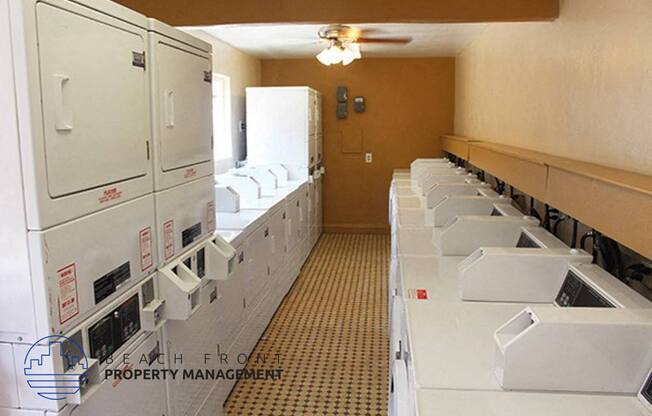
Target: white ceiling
[276, 41]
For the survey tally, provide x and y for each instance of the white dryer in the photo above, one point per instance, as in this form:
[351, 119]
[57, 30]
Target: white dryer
[78, 131]
[181, 102]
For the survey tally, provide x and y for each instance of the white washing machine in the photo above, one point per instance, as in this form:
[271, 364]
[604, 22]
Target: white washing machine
[181, 102]
[203, 340]
[76, 268]
[129, 397]
[472, 403]
[450, 344]
[68, 372]
[78, 133]
[255, 229]
[185, 214]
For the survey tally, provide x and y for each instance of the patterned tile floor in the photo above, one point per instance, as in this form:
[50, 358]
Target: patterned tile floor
[331, 334]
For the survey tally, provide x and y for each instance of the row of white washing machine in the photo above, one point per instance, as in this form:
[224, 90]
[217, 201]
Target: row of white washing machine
[491, 314]
[200, 315]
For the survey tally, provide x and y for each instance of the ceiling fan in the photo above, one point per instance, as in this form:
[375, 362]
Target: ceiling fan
[344, 43]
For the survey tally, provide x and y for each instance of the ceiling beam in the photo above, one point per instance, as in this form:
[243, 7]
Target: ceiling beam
[215, 12]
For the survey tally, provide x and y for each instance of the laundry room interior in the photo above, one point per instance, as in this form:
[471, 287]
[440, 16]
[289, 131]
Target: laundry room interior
[292, 207]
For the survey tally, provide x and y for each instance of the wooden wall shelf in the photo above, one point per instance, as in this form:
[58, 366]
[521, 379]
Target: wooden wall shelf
[456, 145]
[615, 202]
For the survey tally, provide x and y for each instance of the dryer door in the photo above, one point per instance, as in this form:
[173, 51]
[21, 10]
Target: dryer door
[95, 100]
[184, 95]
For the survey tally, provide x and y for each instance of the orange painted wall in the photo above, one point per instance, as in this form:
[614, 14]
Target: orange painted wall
[409, 104]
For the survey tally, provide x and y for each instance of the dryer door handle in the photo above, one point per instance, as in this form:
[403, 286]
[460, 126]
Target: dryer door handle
[62, 112]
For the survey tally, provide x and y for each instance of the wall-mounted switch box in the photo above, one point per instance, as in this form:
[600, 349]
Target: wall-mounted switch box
[358, 104]
[342, 110]
[368, 157]
[342, 94]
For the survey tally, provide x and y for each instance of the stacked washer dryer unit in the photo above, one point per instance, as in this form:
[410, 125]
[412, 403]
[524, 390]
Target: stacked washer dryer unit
[195, 266]
[521, 315]
[78, 232]
[284, 126]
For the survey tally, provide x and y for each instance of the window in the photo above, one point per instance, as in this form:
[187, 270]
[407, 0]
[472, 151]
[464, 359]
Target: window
[222, 137]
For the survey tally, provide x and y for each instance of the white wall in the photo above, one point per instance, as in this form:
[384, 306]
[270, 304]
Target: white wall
[244, 71]
[579, 87]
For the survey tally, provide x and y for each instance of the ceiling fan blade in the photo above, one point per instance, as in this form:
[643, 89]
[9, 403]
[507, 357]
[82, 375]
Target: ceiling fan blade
[401, 41]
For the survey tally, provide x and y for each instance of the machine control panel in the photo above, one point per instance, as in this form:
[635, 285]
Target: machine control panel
[106, 285]
[190, 234]
[577, 293]
[114, 329]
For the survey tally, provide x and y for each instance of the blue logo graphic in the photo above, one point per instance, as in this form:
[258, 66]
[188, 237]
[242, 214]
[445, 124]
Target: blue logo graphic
[55, 367]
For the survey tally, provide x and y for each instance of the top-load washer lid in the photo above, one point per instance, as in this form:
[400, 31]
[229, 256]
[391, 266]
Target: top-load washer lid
[94, 99]
[452, 344]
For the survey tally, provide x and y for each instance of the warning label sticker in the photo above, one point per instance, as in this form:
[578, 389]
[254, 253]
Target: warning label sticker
[210, 216]
[146, 260]
[68, 298]
[419, 294]
[109, 194]
[168, 239]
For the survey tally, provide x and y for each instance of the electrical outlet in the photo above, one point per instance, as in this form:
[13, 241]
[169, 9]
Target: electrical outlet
[368, 157]
[242, 126]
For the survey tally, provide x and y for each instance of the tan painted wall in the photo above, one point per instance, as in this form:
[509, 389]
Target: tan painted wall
[244, 71]
[579, 87]
[409, 105]
[213, 12]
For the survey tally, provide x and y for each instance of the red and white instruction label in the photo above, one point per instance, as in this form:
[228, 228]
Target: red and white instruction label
[419, 294]
[146, 260]
[109, 194]
[168, 239]
[68, 297]
[210, 216]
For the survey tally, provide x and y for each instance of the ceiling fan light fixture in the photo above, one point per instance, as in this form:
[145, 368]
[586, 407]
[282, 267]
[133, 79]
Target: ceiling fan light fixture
[335, 53]
[348, 56]
[324, 57]
[350, 53]
[338, 52]
[355, 48]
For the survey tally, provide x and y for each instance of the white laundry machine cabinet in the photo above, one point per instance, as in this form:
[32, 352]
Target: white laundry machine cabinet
[283, 126]
[318, 208]
[58, 277]
[274, 232]
[200, 329]
[184, 215]
[297, 224]
[181, 103]
[140, 397]
[451, 344]
[67, 370]
[78, 133]
[505, 403]
[255, 229]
